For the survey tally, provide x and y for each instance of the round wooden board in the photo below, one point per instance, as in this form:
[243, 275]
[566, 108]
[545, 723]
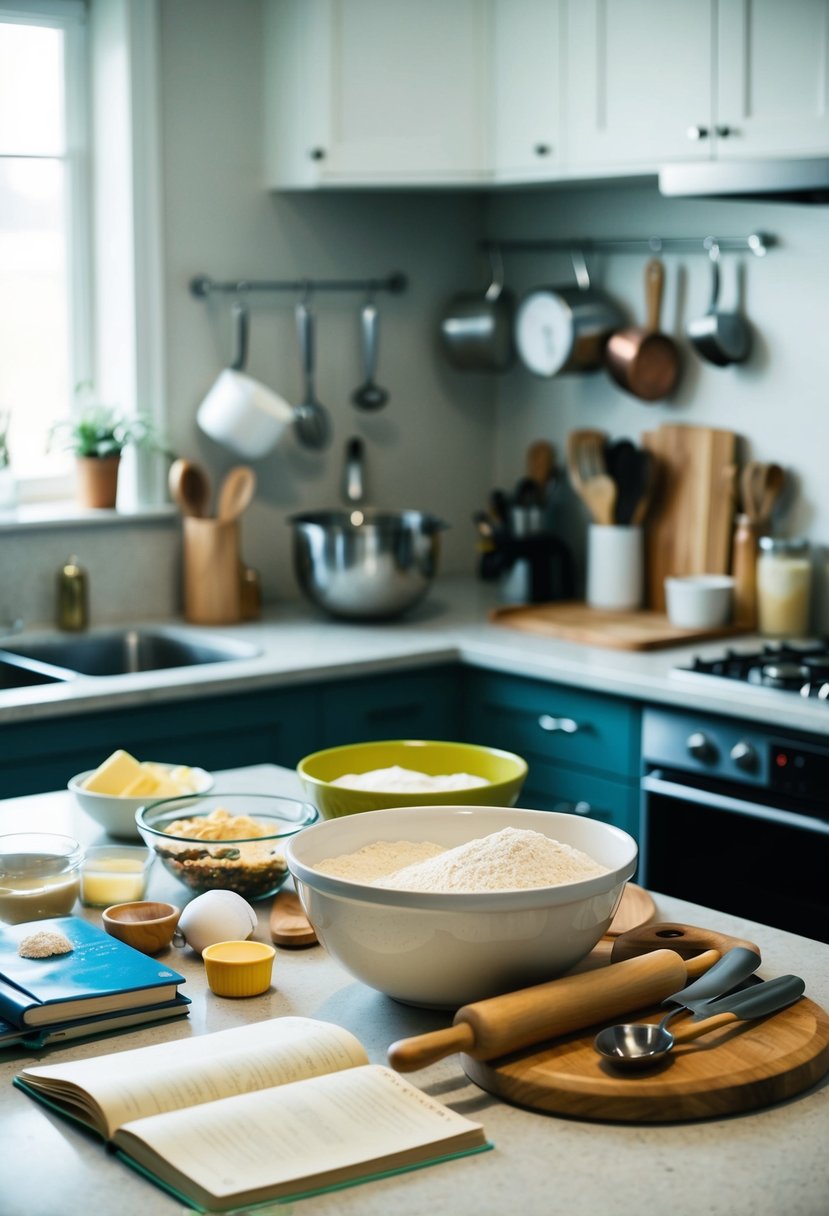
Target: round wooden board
[635, 908]
[737, 1068]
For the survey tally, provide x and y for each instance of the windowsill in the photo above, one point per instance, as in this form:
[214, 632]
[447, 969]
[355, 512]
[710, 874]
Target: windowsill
[58, 514]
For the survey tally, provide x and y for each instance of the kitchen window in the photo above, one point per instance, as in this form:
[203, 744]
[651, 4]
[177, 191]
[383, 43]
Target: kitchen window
[45, 281]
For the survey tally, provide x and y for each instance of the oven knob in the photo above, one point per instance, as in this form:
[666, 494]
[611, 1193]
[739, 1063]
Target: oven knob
[744, 756]
[701, 747]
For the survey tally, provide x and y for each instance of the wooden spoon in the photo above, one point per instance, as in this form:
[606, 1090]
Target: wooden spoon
[600, 492]
[189, 487]
[289, 926]
[775, 476]
[236, 492]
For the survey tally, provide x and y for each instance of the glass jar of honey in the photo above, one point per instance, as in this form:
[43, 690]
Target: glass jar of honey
[784, 584]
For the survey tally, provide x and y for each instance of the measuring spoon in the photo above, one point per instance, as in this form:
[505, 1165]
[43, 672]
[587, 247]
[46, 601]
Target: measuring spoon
[189, 487]
[369, 396]
[633, 1045]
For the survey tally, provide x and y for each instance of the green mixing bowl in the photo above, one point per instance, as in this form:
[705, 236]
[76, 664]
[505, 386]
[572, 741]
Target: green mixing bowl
[504, 771]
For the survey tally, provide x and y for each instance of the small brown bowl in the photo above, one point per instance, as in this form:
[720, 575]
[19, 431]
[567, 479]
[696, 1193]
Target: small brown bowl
[144, 924]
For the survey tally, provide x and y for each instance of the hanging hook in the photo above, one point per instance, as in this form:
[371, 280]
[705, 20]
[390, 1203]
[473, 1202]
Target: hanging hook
[580, 269]
[496, 263]
[241, 319]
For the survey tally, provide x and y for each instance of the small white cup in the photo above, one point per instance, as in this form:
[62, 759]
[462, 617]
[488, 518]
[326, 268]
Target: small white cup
[243, 414]
[699, 601]
[615, 567]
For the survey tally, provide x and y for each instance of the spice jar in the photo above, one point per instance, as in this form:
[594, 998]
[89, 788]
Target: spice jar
[784, 580]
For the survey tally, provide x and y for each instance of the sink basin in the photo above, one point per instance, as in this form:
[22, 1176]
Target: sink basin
[25, 675]
[124, 651]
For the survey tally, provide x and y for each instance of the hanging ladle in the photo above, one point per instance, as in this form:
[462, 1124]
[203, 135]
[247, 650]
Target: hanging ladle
[369, 396]
[720, 337]
[643, 1044]
[310, 416]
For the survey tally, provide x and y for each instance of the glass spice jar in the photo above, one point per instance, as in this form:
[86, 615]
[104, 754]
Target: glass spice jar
[784, 584]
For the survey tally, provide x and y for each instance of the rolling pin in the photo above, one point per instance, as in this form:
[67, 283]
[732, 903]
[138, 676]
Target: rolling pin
[491, 1028]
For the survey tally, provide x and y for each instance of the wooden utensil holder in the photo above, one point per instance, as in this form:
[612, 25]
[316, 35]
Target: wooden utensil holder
[211, 584]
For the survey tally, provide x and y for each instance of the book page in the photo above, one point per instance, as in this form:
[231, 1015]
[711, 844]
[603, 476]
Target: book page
[256, 1144]
[169, 1076]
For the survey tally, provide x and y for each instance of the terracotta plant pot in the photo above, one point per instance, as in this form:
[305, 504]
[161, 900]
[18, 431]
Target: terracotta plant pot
[97, 480]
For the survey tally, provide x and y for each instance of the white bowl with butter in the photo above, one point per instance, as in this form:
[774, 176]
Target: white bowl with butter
[113, 792]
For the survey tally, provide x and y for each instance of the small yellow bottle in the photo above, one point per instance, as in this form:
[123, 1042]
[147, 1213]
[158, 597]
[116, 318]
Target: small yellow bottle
[73, 597]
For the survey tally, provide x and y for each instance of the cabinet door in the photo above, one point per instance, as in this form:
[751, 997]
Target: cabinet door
[411, 705]
[219, 732]
[552, 723]
[773, 78]
[375, 91]
[639, 83]
[527, 51]
[556, 788]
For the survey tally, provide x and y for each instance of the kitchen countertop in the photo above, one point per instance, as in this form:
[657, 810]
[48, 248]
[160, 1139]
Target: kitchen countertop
[299, 644]
[756, 1164]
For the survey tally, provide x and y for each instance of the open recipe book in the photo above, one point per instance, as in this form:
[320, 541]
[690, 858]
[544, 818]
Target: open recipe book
[275, 1110]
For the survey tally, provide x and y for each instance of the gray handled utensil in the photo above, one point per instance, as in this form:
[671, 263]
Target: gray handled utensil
[642, 1044]
[735, 966]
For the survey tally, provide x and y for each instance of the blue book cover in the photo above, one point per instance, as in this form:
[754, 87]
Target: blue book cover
[33, 1038]
[100, 974]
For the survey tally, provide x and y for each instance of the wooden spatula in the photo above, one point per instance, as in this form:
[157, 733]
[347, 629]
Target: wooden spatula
[289, 925]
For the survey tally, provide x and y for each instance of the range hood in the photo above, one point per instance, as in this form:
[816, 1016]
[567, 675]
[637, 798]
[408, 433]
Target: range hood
[805, 180]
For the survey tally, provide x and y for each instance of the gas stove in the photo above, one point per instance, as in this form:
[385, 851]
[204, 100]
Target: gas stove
[788, 666]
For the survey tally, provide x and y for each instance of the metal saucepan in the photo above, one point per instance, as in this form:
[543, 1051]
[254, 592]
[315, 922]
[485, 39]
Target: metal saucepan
[477, 331]
[720, 337]
[564, 329]
[643, 361]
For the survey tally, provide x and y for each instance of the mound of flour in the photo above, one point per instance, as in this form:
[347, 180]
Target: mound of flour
[408, 781]
[513, 859]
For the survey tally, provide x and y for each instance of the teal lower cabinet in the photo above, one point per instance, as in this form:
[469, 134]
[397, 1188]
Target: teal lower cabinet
[421, 704]
[582, 748]
[214, 732]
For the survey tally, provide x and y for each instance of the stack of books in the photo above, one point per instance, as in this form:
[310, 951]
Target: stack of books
[100, 985]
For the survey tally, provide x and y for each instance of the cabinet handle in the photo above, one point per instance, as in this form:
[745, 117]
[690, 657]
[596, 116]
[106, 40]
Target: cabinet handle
[542, 149]
[317, 154]
[567, 726]
[697, 132]
[574, 808]
[725, 132]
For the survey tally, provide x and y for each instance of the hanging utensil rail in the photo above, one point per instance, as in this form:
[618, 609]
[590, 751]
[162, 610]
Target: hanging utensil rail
[757, 243]
[201, 285]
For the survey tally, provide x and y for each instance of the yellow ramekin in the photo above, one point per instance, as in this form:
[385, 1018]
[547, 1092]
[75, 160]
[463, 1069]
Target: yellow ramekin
[239, 968]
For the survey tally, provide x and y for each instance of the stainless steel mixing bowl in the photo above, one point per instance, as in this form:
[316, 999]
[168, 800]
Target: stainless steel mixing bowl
[365, 564]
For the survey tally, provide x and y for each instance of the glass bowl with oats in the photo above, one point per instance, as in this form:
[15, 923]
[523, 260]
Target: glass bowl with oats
[225, 841]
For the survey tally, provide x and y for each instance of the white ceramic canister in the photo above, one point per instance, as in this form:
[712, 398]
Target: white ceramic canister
[615, 567]
[784, 587]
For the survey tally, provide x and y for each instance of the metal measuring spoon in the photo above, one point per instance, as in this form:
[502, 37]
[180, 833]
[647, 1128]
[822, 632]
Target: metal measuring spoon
[369, 396]
[310, 416]
[635, 1045]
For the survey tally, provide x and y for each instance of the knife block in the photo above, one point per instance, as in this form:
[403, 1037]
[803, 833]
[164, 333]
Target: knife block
[211, 584]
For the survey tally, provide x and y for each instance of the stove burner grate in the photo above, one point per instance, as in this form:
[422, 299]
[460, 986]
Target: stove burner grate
[786, 665]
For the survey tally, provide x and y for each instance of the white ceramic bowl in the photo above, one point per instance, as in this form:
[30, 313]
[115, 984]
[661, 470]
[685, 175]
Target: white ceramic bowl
[443, 950]
[699, 601]
[117, 814]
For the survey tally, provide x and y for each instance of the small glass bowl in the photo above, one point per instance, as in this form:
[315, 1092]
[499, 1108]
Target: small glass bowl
[38, 876]
[204, 859]
[115, 874]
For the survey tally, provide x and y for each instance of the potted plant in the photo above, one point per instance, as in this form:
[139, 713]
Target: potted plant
[97, 435]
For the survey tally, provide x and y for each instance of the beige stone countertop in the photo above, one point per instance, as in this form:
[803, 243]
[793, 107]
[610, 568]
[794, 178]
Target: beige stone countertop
[297, 643]
[758, 1164]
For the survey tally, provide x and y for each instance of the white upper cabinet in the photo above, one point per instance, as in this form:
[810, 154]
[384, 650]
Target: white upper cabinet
[651, 81]
[376, 91]
[773, 78]
[527, 82]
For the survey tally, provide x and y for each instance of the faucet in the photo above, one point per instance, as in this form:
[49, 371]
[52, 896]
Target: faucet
[353, 485]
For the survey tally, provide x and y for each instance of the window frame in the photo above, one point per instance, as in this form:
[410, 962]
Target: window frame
[69, 16]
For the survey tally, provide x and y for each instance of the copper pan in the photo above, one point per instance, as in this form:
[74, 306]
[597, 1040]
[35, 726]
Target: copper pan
[643, 361]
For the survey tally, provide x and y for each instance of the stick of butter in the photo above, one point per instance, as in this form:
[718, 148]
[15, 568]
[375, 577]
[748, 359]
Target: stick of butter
[117, 771]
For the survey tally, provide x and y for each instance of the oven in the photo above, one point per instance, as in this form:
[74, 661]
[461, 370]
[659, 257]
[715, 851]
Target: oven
[736, 817]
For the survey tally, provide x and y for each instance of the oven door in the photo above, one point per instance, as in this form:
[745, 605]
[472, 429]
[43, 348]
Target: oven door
[750, 858]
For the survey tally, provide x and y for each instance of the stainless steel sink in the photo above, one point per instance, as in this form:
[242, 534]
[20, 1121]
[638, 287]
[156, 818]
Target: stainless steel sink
[123, 651]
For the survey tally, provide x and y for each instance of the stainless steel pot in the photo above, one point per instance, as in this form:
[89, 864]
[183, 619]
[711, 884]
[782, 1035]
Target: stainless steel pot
[364, 564]
[565, 329]
[477, 331]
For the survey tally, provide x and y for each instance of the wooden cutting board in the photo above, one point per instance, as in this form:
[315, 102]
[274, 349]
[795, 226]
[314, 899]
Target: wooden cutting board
[576, 622]
[739, 1067]
[691, 520]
